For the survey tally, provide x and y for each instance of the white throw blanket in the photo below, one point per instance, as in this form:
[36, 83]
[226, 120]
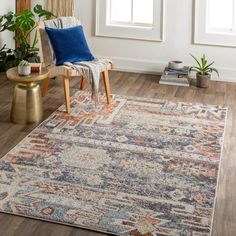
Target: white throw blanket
[91, 71]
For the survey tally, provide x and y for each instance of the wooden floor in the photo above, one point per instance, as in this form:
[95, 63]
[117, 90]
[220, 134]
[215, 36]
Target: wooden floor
[133, 85]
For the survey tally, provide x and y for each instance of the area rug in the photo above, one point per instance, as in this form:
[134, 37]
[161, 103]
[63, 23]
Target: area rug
[137, 167]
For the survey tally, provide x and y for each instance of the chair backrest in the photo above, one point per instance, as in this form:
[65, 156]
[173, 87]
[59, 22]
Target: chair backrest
[47, 55]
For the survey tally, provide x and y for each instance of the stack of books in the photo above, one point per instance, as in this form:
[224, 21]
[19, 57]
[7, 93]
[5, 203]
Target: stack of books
[175, 77]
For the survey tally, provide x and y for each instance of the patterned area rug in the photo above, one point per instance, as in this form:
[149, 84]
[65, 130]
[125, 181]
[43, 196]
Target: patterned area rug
[138, 167]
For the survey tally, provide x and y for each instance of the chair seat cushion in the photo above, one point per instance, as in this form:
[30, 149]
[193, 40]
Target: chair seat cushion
[69, 45]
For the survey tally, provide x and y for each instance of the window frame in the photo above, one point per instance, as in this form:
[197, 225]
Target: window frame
[154, 32]
[202, 34]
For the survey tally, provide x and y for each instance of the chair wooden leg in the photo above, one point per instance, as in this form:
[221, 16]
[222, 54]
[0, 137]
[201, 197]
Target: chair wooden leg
[45, 86]
[107, 86]
[67, 93]
[83, 84]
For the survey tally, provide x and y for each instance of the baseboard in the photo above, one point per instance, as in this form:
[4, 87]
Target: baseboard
[156, 67]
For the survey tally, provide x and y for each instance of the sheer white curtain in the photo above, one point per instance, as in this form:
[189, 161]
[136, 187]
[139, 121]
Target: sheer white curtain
[60, 7]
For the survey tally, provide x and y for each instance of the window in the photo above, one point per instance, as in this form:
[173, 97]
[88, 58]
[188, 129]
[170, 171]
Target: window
[131, 12]
[215, 22]
[134, 19]
[221, 16]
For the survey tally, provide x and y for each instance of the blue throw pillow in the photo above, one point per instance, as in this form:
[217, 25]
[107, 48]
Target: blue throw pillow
[69, 45]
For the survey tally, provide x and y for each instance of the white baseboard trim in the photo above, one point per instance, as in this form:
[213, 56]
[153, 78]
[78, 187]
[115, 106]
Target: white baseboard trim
[157, 67]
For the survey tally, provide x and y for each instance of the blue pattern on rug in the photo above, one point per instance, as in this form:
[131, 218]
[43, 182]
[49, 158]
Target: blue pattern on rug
[137, 167]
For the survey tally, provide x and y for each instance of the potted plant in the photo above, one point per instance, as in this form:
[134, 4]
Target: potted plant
[24, 24]
[24, 68]
[204, 70]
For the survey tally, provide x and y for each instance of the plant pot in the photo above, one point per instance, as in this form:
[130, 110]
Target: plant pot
[24, 70]
[203, 81]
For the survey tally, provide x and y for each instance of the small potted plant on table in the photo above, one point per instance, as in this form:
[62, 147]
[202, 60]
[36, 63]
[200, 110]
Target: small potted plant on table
[24, 68]
[204, 71]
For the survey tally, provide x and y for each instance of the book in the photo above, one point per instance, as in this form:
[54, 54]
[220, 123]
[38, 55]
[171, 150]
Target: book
[36, 67]
[178, 72]
[174, 80]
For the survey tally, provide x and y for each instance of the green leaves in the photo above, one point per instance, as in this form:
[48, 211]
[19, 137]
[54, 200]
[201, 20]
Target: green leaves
[6, 21]
[24, 24]
[25, 21]
[203, 67]
[38, 9]
[3, 52]
[7, 58]
[196, 60]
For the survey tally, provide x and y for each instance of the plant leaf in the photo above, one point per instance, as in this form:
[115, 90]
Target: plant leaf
[194, 68]
[196, 60]
[215, 70]
[208, 66]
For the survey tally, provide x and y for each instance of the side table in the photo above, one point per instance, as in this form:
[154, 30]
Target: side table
[27, 102]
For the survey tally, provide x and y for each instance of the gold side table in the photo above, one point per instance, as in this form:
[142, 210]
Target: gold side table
[27, 101]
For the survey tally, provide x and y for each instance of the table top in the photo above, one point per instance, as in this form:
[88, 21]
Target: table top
[12, 74]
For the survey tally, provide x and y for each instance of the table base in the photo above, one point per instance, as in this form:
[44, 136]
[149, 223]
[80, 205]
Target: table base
[27, 104]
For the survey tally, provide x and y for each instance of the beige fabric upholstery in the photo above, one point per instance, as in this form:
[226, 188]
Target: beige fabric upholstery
[47, 56]
[60, 7]
[62, 22]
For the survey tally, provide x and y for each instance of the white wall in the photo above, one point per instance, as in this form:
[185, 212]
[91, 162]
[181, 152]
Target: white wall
[7, 37]
[143, 56]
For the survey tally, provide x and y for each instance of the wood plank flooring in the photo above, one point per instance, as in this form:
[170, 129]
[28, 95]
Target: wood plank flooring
[130, 84]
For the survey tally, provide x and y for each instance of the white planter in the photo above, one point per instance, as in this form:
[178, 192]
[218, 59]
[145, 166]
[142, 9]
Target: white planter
[24, 70]
[176, 65]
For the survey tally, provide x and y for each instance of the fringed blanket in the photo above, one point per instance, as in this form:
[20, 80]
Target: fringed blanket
[91, 71]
